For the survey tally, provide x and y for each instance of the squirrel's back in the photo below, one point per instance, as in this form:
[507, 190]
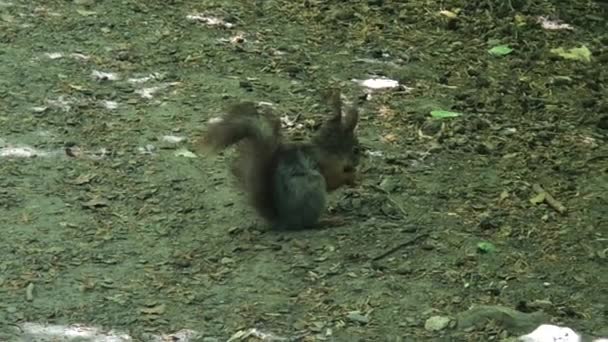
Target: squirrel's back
[298, 187]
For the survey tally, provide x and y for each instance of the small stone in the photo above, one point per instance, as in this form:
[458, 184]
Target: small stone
[427, 246]
[356, 316]
[436, 323]
[245, 84]
[404, 269]
[227, 261]
[431, 127]
[456, 300]
[488, 222]
[483, 148]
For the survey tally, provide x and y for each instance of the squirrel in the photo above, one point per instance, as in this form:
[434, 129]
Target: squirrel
[287, 182]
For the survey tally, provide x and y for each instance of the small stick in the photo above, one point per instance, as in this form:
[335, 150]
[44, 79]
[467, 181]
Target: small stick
[392, 200]
[404, 213]
[550, 200]
[399, 246]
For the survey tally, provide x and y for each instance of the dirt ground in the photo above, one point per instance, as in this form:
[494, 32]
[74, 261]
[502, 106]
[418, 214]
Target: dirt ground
[109, 218]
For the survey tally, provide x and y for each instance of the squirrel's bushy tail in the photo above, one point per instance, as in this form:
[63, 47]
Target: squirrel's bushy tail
[257, 134]
[243, 121]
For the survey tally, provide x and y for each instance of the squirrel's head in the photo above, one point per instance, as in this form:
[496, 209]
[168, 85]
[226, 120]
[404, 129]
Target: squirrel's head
[339, 146]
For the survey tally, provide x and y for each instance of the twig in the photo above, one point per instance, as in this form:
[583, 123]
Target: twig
[550, 200]
[391, 199]
[404, 213]
[401, 245]
[592, 159]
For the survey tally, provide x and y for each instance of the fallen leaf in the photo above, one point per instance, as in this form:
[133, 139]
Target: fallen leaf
[504, 195]
[579, 54]
[486, 247]
[448, 14]
[538, 198]
[386, 113]
[85, 13]
[520, 20]
[441, 114]
[390, 138]
[500, 50]
[83, 179]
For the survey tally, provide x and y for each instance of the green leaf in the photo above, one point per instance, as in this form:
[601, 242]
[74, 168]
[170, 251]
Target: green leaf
[538, 198]
[500, 50]
[442, 114]
[486, 247]
[578, 54]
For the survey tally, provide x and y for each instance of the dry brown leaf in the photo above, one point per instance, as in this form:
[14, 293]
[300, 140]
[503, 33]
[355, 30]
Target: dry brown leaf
[386, 113]
[83, 179]
[389, 138]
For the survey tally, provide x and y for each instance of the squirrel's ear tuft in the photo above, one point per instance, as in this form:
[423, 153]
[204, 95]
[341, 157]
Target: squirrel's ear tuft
[350, 119]
[331, 96]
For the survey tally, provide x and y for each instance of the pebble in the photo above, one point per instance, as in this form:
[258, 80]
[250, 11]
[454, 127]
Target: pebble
[355, 316]
[436, 323]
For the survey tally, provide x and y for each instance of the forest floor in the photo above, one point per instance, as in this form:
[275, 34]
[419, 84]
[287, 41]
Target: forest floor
[110, 216]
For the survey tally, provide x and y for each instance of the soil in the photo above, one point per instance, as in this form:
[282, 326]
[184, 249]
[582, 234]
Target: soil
[114, 221]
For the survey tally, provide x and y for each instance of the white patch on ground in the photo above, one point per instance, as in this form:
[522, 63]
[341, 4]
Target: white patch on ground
[54, 55]
[61, 102]
[173, 139]
[377, 83]
[104, 76]
[111, 105]
[553, 25]
[21, 152]
[148, 93]
[36, 332]
[153, 76]
[209, 20]
[552, 333]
